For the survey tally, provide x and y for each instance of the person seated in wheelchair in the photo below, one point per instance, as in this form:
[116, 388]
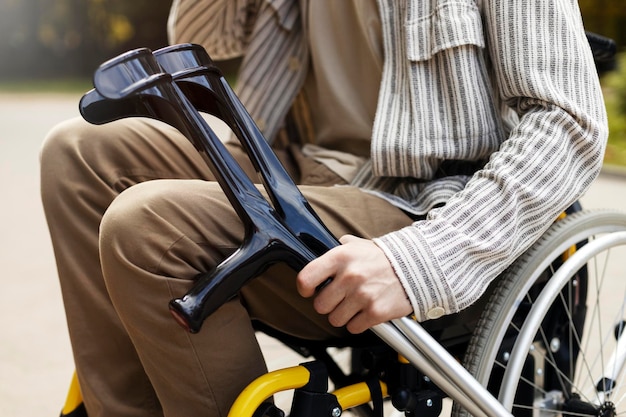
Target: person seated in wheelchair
[438, 139]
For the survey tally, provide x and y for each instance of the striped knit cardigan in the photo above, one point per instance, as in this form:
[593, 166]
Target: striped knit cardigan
[508, 82]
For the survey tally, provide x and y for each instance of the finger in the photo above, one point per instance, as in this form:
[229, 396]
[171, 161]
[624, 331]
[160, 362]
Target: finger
[329, 299]
[368, 317]
[345, 311]
[359, 323]
[379, 311]
[316, 273]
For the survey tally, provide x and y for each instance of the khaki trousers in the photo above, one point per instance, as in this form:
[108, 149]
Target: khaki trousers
[134, 217]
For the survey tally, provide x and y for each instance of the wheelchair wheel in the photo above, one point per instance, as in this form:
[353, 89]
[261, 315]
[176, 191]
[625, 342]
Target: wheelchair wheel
[549, 341]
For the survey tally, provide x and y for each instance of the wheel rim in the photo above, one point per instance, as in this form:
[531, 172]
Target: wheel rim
[572, 388]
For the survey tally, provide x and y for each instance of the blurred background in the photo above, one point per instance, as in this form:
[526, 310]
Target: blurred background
[43, 39]
[48, 52]
[64, 41]
[57, 44]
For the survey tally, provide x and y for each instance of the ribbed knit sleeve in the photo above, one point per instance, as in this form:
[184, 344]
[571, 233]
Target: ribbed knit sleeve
[544, 71]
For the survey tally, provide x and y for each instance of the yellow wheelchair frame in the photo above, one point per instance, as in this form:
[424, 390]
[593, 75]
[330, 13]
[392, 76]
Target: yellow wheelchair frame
[256, 393]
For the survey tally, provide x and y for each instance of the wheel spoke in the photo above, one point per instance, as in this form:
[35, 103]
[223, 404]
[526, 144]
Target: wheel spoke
[619, 401]
[572, 326]
[598, 288]
[547, 410]
[573, 332]
[550, 359]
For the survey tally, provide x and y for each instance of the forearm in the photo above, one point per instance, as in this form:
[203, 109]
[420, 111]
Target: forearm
[449, 259]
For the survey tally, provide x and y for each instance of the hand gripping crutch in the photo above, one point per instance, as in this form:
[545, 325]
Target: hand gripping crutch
[172, 88]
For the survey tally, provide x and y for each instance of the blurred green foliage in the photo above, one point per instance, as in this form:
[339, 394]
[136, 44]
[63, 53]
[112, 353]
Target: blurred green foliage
[608, 18]
[614, 86]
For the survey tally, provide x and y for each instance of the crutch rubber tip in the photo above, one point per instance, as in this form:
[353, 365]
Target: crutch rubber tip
[180, 318]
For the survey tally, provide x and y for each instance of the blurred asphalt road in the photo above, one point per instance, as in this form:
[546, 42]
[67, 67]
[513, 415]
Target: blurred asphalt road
[35, 357]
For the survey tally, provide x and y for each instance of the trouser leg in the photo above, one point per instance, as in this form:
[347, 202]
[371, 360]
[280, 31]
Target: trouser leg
[83, 168]
[156, 237]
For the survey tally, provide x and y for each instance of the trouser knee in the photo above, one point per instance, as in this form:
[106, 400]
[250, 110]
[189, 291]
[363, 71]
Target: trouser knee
[170, 228]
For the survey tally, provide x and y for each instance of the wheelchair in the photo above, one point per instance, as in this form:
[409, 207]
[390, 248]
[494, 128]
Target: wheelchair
[545, 340]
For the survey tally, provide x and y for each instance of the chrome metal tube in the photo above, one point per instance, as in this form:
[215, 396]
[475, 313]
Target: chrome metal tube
[450, 369]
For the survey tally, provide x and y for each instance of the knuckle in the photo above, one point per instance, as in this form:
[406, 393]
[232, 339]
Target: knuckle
[320, 306]
[364, 295]
[342, 254]
[356, 327]
[375, 313]
[301, 284]
[335, 321]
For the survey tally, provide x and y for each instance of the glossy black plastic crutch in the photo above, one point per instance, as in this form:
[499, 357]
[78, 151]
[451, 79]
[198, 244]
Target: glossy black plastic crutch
[206, 88]
[133, 84]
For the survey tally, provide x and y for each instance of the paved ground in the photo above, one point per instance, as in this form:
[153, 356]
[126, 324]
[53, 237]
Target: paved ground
[35, 358]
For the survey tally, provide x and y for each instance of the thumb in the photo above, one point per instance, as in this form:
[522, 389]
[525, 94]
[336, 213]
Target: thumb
[347, 239]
